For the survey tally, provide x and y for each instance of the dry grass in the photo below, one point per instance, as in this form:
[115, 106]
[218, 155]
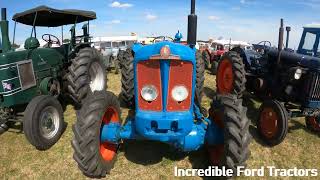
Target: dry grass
[148, 160]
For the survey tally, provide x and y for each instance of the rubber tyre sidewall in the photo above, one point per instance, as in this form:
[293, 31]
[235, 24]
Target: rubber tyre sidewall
[283, 118]
[31, 125]
[93, 110]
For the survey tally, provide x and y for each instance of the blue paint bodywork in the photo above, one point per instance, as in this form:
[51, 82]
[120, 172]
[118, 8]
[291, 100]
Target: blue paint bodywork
[186, 130]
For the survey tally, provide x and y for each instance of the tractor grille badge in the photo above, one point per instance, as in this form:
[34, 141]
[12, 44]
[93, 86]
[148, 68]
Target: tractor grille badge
[7, 86]
[165, 52]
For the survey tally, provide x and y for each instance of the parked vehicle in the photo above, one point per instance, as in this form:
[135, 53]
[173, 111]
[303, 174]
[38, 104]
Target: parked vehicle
[285, 81]
[166, 79]
[37, 83]
[110, 48]
[213, 53]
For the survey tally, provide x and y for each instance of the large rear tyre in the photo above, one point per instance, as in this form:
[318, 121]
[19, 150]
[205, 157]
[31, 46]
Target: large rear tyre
[127, 78]
[231, 75]
[43, 122]
[95, 158]
[273, 122]
[86, 73]
[200, 75]
[227, 113]
[120, 57]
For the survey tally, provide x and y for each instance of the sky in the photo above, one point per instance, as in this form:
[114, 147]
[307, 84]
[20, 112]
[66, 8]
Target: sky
[247, 20]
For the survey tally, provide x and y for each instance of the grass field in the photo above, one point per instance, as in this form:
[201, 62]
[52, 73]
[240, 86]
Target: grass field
[150, 160]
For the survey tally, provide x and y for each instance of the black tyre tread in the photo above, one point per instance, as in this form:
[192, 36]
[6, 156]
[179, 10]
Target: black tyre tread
[200, 74]
[127, 78]
[283, 116]
[31, 126]
[214, 67]
[206, 58]
[120, 58]
[239, 72]
[78, 77]
[86, 131]
[236, 130]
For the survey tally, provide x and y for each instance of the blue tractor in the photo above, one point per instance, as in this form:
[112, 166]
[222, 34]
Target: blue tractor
[167, 108]
[286, 82]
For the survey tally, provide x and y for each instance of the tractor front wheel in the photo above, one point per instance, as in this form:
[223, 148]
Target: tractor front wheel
[313, 123]
[86, 73]
[127, 81]
[227, 113]
[272, 123]
[231, 75]
[94, 157]
[43, 122]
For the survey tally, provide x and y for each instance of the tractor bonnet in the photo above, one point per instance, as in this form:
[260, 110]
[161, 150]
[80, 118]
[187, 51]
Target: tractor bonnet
[153, 51]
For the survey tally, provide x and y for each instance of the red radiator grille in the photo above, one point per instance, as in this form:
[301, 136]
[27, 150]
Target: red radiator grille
[180, 74]
[148, 73]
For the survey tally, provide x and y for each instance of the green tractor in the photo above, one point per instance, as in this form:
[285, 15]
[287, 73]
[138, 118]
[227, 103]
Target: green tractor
[38, 82]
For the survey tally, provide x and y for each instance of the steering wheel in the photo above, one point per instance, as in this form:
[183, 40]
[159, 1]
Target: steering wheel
[48, 38]
[164, 38]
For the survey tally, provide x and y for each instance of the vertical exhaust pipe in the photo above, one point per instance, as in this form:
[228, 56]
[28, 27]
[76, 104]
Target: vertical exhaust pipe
[280, 42]
[4, 24]
[192, 25]
[3, 14]
[288, 29]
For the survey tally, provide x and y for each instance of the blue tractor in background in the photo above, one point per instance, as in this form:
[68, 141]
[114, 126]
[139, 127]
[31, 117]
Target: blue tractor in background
[165, 79]
[286, 82]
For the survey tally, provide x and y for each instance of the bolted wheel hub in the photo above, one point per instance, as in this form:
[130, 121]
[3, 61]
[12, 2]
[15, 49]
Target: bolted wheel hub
[49, 122]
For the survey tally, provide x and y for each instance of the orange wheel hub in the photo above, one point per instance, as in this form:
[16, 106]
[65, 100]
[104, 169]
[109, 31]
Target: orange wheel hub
[268, 122]
[108, 150]
[225, 77]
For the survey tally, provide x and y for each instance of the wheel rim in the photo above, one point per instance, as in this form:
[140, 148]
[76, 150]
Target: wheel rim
[107, 149]
[268, 122]
[225, 77]
[97, 78]
[49, 122]
[313, 123]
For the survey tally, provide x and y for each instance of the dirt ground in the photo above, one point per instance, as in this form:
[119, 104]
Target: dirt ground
[150, 160]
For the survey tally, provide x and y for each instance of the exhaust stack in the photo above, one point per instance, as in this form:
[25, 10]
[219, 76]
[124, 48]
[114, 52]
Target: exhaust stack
[4, 26]
[192, 25]
[280, 42]
[288, 29]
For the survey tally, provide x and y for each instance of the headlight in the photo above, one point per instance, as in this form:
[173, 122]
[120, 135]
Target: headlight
[179, 93]
[149, 93]
[298, 74]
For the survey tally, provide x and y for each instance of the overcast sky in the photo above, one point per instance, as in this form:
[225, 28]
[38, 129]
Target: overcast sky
[247, 20]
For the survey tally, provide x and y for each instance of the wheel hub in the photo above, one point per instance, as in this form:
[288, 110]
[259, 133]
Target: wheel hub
[49, 122]
[107, 149]
[269, 122]
[225, 77]
[97, 79]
